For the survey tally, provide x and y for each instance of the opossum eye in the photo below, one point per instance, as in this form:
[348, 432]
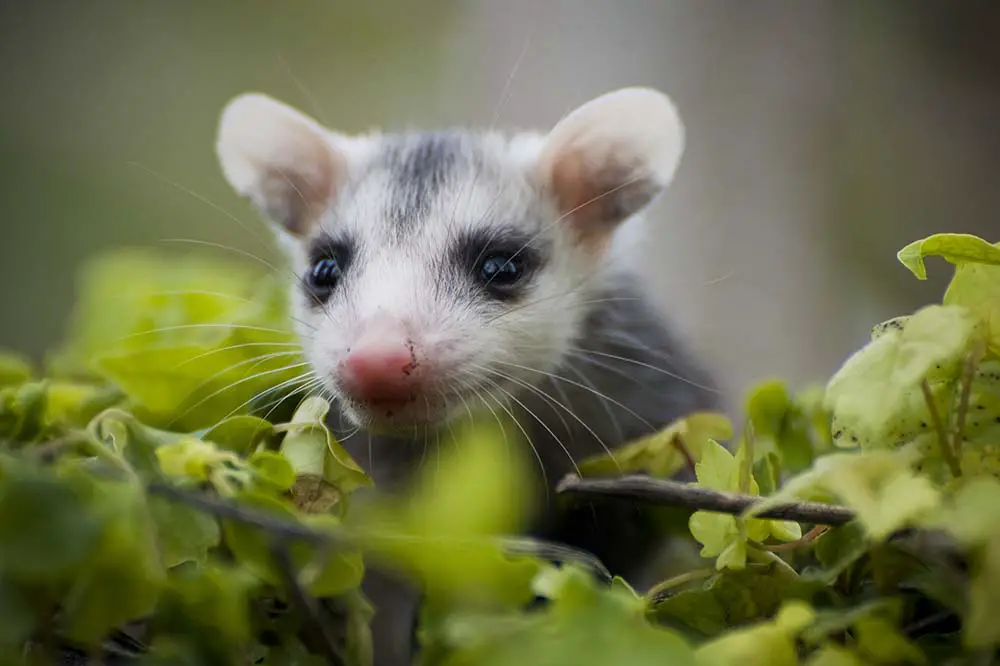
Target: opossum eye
[500, 271]
[325, 274]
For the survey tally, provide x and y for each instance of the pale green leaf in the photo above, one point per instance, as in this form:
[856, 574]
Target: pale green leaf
[981, 629]
[880, 384]
[958, 249]
[763, 644]
[879, 486]
[834, 655]
[14, 369]
[662, 453]
[977, 287]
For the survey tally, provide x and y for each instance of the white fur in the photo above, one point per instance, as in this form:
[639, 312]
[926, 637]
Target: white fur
[392, 288]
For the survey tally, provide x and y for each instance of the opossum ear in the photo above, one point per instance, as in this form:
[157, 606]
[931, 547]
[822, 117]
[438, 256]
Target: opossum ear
[610, 158]
[283, 161]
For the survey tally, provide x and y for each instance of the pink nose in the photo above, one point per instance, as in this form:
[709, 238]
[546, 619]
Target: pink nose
[380, 373]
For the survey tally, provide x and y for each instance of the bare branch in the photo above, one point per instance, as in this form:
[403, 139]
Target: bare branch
[671, 493]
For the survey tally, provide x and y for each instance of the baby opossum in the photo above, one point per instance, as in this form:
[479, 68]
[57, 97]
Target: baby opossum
[448, 272]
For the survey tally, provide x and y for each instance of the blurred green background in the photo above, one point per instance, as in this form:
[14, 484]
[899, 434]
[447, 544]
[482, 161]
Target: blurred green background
[822, 137]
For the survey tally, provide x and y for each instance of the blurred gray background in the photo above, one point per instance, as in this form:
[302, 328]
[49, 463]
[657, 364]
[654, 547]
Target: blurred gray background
[822, 137]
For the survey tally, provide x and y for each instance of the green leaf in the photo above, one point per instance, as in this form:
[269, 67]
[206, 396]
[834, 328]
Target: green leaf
[977, 287]
[331, 573]
[124, 575]
[767, 472]
[136, 443]
[46, 527]
[14, 369]
[209, 607]
[183, 534]
[879, 386]
[764, 644]
[22, 411]
[159, 300]
[583, 626]
[324, 471]
[661, 454]
[273, 469]
[20, 616]
[834, 655]
[781, 422]
[724, 536]
[192, 458]
[981, 629]
[879, 486]
[881, 642]
[240, 434]
[193, 340]
[958, 249]
[184, 388]
[75, 404]
[731, 598]
[446, 533]
[838, 550]
[972, 513]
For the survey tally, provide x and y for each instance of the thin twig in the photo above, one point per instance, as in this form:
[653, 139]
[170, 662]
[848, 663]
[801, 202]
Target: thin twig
[672, 493]
[665, 588]
[946, 450]
[232, 511]
[968, 373]
[290, 530]
[305, 604]
[806, 538]
[678, 443]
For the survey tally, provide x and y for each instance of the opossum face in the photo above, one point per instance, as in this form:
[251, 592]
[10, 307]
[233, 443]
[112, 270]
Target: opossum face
[446, 273]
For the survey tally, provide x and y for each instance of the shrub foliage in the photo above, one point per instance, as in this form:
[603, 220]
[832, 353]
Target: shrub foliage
[169, 493]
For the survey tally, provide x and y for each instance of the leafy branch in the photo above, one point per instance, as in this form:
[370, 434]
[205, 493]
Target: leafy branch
[672, 493]
[164, 474]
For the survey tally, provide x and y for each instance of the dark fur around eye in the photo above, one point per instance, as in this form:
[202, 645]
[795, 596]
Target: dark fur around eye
[328, 262]
[500, 264]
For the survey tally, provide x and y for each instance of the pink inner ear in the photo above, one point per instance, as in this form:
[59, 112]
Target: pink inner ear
[297, 193]
[590, 192]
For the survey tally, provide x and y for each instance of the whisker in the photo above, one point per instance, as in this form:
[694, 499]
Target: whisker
[599, 394]
[243, 345]
[307, 387]
[538, 457]
[256, 360]
[305, 379]
[219, 294]
[237, 383]
[672, 375]
[180, 327]
[305, 92]
[562, 406]
[541, 423]
[223, 246]
[199, 197]
[620, 434]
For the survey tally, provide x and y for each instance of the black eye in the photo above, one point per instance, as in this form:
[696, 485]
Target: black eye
[500, 270]
[325, 274]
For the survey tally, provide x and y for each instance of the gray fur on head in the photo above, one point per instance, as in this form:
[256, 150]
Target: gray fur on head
[409, 214]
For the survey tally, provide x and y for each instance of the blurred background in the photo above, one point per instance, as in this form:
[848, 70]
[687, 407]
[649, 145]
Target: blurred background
[822, 137]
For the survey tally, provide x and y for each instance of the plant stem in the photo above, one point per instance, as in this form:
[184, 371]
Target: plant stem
[767, 557]
[673, 493]
[946, 450]
[806, 538]
[968, 372]
[658, 590]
